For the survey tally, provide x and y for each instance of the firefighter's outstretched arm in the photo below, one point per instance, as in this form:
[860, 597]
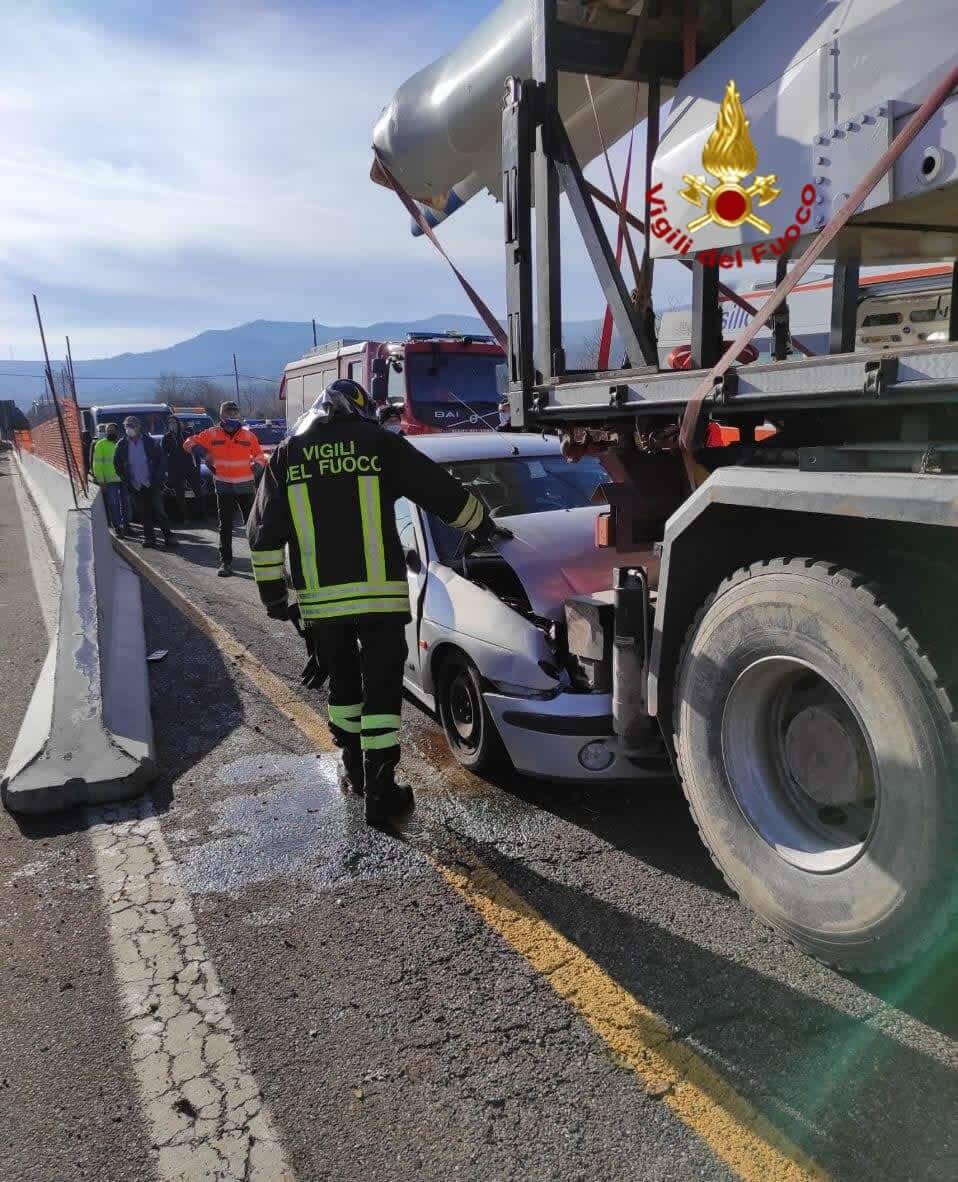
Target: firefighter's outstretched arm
[269, 529]
[430, 486]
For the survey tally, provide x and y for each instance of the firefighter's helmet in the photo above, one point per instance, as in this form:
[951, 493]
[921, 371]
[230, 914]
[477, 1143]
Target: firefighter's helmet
[340, 398]
[354, 395]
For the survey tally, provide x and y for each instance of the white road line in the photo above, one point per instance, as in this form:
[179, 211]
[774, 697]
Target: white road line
[207, 1115]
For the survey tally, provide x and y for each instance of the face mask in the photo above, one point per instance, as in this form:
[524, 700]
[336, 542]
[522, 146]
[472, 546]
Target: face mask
[394, 427]
[133, 432]
[230, 425]
[503, 418]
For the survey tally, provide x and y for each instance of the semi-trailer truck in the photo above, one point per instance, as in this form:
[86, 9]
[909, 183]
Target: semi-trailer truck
[790, 643]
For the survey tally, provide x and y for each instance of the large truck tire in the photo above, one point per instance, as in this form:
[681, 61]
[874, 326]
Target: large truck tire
[817, 749]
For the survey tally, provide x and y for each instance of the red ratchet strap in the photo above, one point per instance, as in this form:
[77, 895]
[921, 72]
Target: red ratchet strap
[693, 411]
[419, 218]
[690, 23]
[622, 235]
[605, 341]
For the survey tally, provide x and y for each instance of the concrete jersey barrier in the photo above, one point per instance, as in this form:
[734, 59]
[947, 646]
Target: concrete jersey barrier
[88, 735]
[50, 491]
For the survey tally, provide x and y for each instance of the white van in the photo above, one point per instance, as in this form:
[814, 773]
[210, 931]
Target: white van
[152, 416]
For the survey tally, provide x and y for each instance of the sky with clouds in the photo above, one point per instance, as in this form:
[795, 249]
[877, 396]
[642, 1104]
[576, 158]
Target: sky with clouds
[167, 169]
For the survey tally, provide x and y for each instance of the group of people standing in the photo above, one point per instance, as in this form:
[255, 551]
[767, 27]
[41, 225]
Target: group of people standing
[133, 470]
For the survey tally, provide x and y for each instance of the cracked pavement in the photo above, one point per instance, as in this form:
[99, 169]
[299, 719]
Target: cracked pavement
[206, 1114]
[236, 978]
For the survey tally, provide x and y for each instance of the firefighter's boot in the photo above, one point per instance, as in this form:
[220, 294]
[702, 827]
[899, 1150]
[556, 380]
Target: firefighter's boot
[385, 798]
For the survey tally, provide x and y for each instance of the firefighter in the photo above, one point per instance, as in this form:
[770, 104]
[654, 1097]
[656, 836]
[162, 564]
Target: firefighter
[233, 450]
[328, 493]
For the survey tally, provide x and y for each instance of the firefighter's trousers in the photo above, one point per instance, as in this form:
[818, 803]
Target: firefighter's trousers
[366, 655]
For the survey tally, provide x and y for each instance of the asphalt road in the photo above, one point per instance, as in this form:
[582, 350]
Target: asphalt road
[489, 994]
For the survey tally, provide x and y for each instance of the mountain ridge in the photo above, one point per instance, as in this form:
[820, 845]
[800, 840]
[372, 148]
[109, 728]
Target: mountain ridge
[262, 347]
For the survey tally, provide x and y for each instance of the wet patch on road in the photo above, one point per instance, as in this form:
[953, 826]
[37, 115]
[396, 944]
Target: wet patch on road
[303, 829]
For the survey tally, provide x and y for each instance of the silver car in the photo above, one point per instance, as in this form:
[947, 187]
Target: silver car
[486, 649]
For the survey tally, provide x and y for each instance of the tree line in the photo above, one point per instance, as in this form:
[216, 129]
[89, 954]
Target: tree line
[257, 399]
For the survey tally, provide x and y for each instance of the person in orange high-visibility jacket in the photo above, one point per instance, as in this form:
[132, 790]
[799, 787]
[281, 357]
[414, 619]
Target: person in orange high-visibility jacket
[232, 450]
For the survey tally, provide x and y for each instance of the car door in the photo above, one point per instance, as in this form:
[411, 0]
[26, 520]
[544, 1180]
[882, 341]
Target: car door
[411, 542]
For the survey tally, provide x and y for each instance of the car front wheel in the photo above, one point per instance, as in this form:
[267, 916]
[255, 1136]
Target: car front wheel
[470, 731]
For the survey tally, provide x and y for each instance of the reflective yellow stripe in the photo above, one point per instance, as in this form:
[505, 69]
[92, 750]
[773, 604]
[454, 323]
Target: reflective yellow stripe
[377, 742]
[476, 518]
[267, 574]
[467, 510]
[353, 711]
[370, 510]
[346, 718]
[352, 607]
[302, 515]
[378, 722]
[266, 557]
[470, 516]
[347, 590]
[349, 725]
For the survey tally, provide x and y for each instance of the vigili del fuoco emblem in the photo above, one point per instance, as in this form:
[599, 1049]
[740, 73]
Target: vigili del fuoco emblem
[729, 155]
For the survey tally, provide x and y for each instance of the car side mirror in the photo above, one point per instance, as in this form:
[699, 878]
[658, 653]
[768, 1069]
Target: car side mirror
[379, 388]
[413, 561]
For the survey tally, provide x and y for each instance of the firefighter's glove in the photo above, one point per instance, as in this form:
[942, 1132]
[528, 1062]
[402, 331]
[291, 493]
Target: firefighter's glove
[488, 532]
[315, 671]
[283, 610]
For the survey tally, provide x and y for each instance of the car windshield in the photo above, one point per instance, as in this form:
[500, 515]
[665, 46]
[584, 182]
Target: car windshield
[522, 484]
[454, 391]
[152, 421]
[268, 435]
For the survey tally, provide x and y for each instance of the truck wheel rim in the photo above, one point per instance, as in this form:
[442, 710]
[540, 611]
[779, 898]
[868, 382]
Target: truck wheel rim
[799, 764]
[463, 712]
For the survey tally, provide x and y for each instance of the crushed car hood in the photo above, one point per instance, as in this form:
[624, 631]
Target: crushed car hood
[555, 556]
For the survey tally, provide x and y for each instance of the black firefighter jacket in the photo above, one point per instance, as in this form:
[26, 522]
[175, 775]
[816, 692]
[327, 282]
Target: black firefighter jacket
[328, 494]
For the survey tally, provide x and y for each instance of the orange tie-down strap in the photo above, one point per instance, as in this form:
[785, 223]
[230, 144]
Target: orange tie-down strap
[693, 411]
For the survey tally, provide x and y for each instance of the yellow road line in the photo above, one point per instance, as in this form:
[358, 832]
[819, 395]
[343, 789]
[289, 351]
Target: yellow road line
[734, 1130]
[731, 1127]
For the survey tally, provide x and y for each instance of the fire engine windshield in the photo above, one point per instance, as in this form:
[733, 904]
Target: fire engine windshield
[453, 391]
